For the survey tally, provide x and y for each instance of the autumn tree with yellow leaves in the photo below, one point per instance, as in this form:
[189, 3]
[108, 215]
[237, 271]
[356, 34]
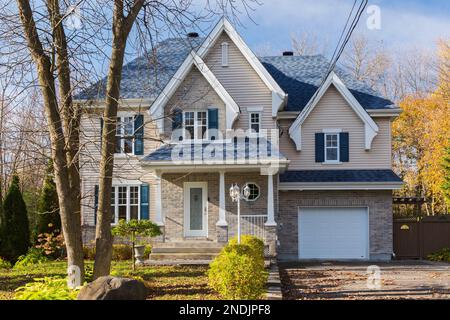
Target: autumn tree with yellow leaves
[420, 139]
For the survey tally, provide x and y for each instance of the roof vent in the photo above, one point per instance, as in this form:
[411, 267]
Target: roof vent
[192, 35]
[288, 53]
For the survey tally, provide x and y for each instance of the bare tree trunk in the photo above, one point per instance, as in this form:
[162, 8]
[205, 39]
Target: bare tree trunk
[69, 209]
[103, 238]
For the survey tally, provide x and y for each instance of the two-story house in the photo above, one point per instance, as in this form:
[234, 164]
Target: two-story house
[198, 115]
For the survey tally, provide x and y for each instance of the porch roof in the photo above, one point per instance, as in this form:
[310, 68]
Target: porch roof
[249, 151]
[318, 176]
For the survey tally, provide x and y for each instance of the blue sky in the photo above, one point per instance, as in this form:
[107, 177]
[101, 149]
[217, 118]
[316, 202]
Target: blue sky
[404, 24]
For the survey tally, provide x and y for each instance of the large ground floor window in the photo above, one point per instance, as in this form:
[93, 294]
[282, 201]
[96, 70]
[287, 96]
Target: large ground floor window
[125, 203]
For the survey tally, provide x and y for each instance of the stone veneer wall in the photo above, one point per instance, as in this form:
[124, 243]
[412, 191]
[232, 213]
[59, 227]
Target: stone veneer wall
[380, 217]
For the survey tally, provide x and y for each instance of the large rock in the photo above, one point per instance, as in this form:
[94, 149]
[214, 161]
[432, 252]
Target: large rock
[112, 288]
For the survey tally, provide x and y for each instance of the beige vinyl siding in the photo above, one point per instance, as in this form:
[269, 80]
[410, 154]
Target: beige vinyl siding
[333, 112]
[125, 167]
[242, 83]
[194, 93]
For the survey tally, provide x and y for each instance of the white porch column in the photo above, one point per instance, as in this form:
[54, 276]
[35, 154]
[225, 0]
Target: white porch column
[222, 212]
[270, 206]
[159, 219]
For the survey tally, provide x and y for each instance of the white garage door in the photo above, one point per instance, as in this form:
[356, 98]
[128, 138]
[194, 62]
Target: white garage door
[333, 233]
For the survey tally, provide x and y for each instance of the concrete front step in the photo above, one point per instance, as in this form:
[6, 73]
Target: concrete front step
[182, 256]
[212, 250]
[189, 244]
[176, 262]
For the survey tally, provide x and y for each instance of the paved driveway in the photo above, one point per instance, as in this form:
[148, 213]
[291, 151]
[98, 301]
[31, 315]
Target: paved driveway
[339, 280]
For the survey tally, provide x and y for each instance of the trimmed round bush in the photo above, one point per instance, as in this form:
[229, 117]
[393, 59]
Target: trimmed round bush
[238, 271]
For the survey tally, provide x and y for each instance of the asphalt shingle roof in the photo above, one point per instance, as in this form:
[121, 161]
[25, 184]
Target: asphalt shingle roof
[250, 150]
[311, 176]
[298, 76]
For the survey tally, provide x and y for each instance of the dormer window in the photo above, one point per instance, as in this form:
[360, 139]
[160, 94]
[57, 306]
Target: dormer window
[225, 54]
[195, 125]
[255, 122]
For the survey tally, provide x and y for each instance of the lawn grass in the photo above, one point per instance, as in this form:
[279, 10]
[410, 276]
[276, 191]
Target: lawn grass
[164, 282]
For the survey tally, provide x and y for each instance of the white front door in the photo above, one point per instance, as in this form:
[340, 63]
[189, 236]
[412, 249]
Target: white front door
[195, 209]
[333, 233]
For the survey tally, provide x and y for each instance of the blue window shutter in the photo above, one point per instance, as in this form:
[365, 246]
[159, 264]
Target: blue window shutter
[344, 147]
[139, 135]
[145, 201]
[95, 203]
[213, 123]
[320, 147]
[177, 119]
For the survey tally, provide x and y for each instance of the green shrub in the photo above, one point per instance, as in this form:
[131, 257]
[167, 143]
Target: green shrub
[46, 289]
[121, 252]
[88, 273]
[148, 250]
[238, 271]
[15, 233]
[441, 255]
[4, 264]
[48, 220]
[89, 252]
[256, 245]
[34, 256]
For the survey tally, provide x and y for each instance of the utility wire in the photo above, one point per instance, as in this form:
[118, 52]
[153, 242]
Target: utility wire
[335, 57]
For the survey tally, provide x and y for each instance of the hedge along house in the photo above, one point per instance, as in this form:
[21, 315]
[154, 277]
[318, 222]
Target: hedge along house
[199, 114]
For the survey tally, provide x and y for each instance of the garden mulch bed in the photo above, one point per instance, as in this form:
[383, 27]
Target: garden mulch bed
[164, 282]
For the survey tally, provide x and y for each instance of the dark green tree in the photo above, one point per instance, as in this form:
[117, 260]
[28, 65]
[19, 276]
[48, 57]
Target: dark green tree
[48, 219]
[14, 229]
[446, 185]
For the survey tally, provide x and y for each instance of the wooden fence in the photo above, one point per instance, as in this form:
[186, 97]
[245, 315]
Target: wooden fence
[415, 238]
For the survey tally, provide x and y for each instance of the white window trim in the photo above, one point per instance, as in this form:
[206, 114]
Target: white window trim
[122, 141]
[225, 54]
[337, 161]
[259, 192]
[196, 139]
[250, 123]
[116, 202]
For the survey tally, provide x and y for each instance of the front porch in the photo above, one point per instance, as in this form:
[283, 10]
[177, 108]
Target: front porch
[196, 206]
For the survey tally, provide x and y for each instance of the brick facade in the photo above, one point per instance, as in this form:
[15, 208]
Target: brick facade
[380, 217]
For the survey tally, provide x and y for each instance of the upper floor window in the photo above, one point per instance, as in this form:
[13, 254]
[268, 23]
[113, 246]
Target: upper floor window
[331, 147]
[224, 54]
[255, 122]
[125, 203]
[125, 135]
[195, 125]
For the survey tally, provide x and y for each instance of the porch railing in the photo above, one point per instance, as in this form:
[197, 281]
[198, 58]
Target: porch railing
[251, 224]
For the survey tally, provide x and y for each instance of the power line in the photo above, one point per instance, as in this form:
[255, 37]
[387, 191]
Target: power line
[335, 57]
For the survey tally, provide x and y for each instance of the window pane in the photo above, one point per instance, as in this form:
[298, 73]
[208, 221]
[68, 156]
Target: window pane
[134, 195]
[113, 196]
[128, 145]
[331, 153]
[122, 212]
[331, 140]
[122, 195]
[113, 214]
[189, 132]
[255, 127]
[128, 125]
[134, 212]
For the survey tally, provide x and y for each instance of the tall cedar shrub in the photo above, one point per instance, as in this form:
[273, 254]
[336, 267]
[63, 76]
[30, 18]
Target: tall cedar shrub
[15, 230]
[48, 219]
[446, 185]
